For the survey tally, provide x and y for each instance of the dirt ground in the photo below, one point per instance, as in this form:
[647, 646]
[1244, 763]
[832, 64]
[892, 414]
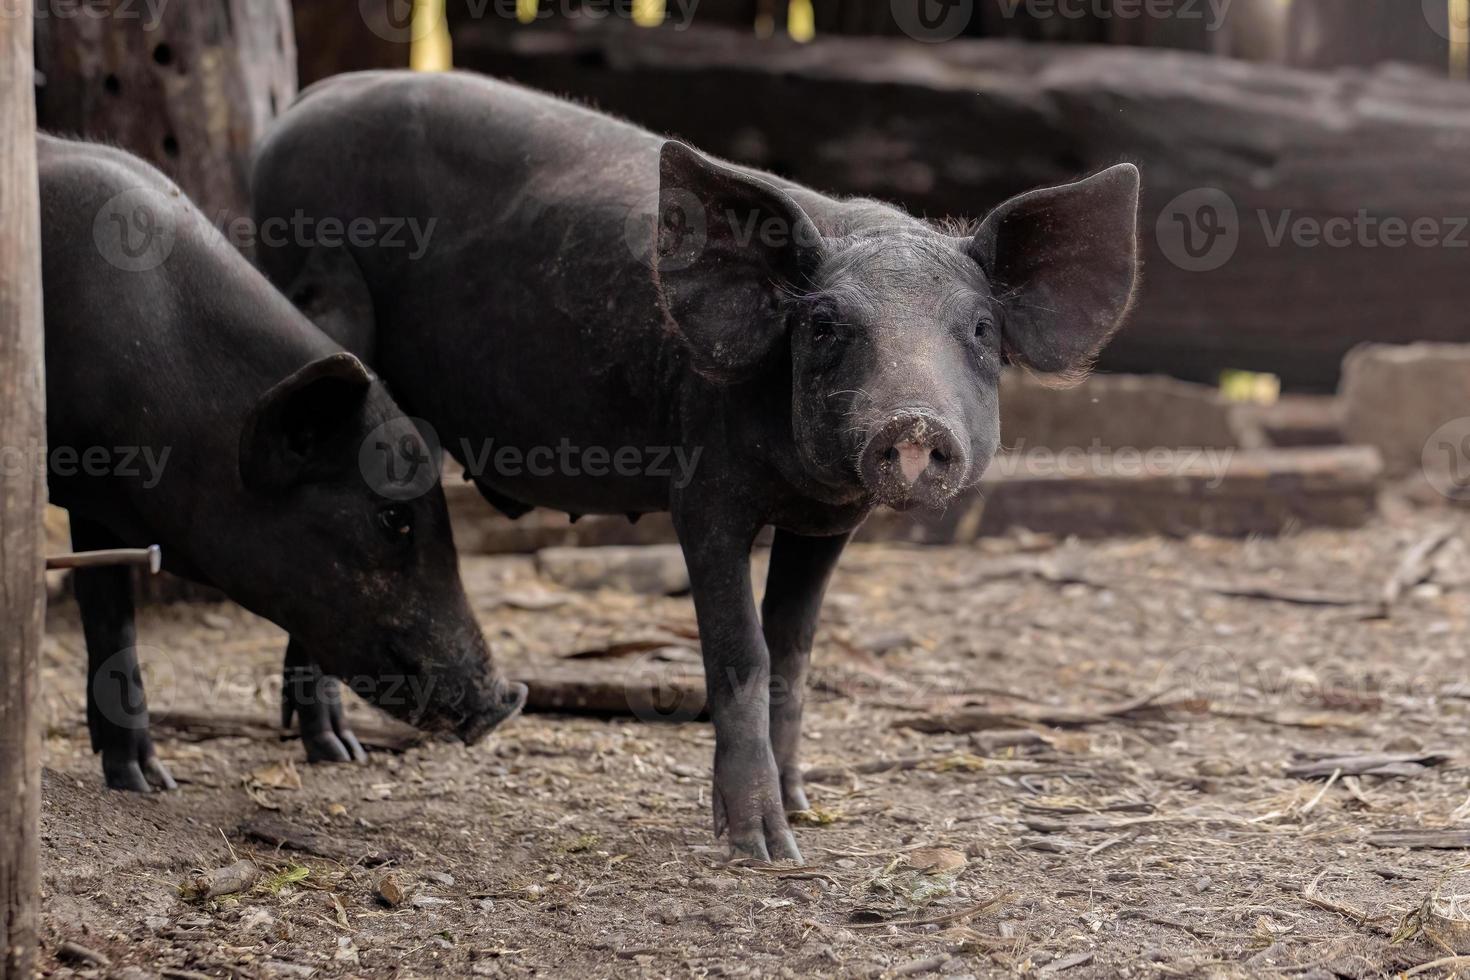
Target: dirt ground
[1167, 840]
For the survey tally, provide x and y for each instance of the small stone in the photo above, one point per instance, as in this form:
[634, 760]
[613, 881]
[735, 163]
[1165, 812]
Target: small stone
[937, 860]
[346, 952]
[1203, 884]
[440, 878]
[666, 913]
[391, 889]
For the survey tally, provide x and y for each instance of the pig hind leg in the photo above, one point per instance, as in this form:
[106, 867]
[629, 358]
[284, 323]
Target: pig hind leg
[799, 570]
[117, 711]
[316, 700]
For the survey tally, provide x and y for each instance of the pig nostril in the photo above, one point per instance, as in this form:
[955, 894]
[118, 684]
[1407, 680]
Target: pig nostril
[890, 454]
[939, 456]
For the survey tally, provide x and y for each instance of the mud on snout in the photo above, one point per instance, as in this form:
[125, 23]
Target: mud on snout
[912, 458]
[467, 698]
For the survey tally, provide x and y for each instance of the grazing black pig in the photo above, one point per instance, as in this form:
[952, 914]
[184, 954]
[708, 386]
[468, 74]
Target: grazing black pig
[590, 285]
[191, 405]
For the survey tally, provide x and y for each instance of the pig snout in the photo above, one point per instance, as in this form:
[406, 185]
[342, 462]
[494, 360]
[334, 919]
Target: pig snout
[913, 459]
[503, 702]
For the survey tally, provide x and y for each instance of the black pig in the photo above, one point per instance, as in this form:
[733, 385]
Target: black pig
[190, 404]
[591, 283]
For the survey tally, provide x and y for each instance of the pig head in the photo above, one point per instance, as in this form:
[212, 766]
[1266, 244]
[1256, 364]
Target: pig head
[893, 331]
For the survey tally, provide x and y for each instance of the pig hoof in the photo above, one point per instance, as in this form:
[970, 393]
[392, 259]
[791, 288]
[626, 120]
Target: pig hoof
[757, 829]
[793, 794]
[314, 699]
[131, 765]
[334, 746]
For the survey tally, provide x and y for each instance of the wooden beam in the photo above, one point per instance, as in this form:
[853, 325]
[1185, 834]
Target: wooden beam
[1147, 490]
[22, 496]
[1324, 175]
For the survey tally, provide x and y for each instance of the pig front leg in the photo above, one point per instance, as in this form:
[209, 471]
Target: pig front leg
[117, 711]
[316, 700]
[737, 670]
[800, 568]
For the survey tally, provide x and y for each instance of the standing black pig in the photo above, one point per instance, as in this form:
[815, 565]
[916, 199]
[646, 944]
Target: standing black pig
[592, 285]
[191, 405]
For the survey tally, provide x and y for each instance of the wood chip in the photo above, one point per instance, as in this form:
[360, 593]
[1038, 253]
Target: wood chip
[279, 832]
[206, 884]
[1445, 839]
[1369, 764]
[1014, 714]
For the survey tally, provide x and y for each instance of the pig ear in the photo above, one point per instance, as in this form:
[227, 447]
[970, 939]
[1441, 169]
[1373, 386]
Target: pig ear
[1063, 261]
[306, 427]
[728, 244]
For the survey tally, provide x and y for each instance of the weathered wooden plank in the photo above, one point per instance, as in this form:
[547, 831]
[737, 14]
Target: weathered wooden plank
[22, 498]
[1222, 491]
[955, 128]
[190, 92]
[646, 689]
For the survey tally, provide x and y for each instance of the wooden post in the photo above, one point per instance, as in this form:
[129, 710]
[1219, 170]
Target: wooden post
[22, 496]
[189, 87]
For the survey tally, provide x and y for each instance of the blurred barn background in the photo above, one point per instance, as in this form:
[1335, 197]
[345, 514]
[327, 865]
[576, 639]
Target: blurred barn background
[1255, 122]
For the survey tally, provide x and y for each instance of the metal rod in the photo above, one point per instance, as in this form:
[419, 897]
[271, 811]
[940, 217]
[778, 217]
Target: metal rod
[151, 556]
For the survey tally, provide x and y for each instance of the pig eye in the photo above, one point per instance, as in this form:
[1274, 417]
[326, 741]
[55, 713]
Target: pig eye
[984, 327]
[396, 521]
[824, 331]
